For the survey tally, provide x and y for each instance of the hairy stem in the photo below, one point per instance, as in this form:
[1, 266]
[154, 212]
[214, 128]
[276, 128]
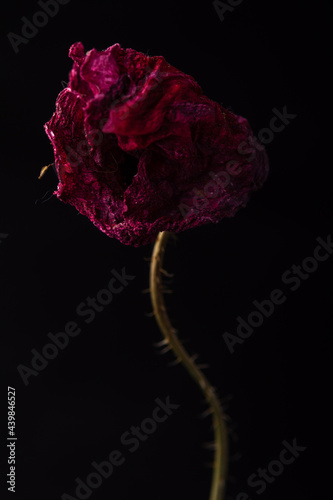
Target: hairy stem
[170, 335]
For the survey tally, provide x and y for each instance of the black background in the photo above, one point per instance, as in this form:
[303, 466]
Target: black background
[274, 387]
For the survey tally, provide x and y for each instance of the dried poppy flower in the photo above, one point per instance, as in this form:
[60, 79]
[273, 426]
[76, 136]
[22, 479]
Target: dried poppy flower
[139, 149]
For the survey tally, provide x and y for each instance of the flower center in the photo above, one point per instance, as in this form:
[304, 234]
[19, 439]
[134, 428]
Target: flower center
[129, 168]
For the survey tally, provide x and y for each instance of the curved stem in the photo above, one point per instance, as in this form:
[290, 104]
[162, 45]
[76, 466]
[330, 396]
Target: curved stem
[220, 431]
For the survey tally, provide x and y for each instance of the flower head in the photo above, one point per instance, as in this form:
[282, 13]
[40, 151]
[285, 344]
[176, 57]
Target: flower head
[140, 149]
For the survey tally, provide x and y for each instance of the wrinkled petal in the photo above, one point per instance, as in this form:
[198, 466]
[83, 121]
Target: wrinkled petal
[140, 149]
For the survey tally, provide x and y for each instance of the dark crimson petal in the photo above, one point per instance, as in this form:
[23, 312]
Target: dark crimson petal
[76, 83]
[100, 69]
[81, 181]
[140, 149]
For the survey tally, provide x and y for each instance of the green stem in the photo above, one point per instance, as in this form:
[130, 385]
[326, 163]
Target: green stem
[169, 333]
